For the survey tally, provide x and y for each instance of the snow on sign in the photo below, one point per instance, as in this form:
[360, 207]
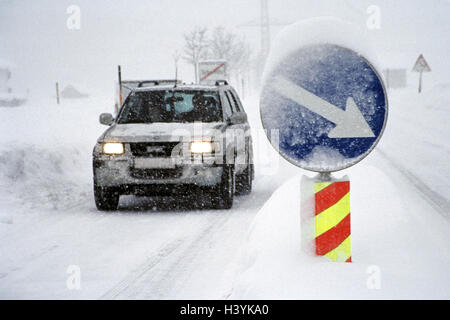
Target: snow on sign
[212, 70]
[421, 65]
[329, 105]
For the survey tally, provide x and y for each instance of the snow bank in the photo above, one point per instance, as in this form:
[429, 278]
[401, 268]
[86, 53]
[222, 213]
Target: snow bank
[45, 154]
[40, 177]
[399, 248]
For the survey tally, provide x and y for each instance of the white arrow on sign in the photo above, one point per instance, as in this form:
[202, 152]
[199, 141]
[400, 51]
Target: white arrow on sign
[350, 123]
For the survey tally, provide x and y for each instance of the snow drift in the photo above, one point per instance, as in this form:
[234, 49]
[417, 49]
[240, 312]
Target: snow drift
[394, 256]
[45, 155]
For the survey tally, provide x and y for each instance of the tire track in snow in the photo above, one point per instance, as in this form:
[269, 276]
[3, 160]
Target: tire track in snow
[143, 269]
[175, 273]
[438, 202]
[174, 277]
[165, 274]
[145, 274]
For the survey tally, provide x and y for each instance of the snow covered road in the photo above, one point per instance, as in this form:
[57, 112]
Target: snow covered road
[148, 249]
[136, 253]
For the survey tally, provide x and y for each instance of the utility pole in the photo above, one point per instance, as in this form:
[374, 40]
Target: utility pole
[118, 104]
[263, 23]
[265, 29]
[119, 73]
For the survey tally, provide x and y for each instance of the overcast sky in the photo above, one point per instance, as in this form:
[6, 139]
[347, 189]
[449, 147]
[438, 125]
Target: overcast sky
[143, 35]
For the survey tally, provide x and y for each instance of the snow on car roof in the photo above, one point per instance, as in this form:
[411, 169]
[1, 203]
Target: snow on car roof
[179, 87]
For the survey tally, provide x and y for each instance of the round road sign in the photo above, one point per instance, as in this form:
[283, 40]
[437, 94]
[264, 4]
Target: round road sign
[329, 106]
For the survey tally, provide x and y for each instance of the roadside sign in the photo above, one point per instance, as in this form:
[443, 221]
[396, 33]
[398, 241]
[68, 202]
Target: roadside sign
[329, 106]
[421, 66]
[212, 70]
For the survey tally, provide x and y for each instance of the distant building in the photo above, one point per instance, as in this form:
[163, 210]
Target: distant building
[69, 92]
[395, 78]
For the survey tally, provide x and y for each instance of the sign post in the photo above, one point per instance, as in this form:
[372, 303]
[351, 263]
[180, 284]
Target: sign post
[119, 75]
[421, 66]
[330, 107]
[57, 92]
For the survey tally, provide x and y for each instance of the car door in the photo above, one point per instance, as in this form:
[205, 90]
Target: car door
[246, 127]
[228, 144]
[240, 133]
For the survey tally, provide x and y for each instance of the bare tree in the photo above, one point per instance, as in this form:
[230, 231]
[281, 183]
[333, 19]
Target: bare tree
[222, 44]
[229, 46]
[196, 47]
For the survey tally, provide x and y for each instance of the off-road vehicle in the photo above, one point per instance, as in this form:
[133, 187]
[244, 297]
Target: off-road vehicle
[175, 139]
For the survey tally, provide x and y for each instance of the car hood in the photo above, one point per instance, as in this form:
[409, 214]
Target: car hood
[137, 132]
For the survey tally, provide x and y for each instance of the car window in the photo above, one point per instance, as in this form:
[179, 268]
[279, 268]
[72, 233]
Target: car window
[237, 101]
[231, 101]
[171, 106]
[227, 112]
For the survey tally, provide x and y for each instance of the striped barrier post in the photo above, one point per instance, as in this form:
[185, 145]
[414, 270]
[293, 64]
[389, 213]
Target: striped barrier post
[332, 220]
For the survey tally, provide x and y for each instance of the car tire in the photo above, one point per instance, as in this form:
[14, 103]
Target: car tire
[223, 193]
[244, 181]
[106, 198]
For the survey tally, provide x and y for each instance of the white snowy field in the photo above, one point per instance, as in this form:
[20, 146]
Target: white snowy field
[160, 250]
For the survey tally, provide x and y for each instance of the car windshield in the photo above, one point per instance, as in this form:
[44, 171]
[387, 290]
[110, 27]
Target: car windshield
[171, 106]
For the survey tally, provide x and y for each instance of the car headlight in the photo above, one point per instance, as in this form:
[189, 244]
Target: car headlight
[201, 147]
[113, 148]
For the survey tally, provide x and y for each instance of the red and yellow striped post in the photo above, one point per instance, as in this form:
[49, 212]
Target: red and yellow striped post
[332, 220]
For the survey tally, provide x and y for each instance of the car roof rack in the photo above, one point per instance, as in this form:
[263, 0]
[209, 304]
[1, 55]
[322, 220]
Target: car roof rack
[221, 82]
[151, 83]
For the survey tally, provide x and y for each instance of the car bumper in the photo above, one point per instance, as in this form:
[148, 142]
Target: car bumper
[110, 172]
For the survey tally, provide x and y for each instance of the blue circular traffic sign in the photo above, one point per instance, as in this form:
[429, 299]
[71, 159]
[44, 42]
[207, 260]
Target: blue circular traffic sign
[324, 107]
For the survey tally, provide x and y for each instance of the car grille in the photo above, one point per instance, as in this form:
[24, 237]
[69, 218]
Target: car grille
[157, 174]
[152, 149]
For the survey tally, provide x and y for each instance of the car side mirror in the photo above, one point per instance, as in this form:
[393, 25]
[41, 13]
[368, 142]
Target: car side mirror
[238, 118]
[106, 118]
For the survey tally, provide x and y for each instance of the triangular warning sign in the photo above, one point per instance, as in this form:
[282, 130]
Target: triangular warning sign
[421, 65]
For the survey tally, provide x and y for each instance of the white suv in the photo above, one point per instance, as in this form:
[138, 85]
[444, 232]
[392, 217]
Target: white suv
[175, 139]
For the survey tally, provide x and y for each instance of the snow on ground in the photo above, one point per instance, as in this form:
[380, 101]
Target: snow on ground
[159, 249]
[416, 139]
[44, 152]
[403, 239]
